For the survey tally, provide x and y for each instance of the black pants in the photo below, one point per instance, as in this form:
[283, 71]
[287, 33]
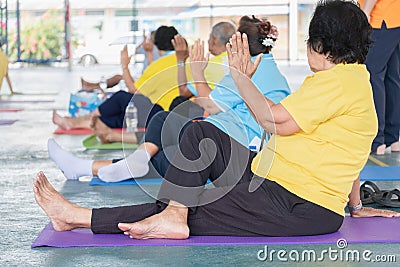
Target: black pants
[383, 63]
[113, 109]
[230, 208]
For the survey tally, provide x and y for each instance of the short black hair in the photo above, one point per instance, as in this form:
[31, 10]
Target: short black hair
[340, 30]
[163, 37]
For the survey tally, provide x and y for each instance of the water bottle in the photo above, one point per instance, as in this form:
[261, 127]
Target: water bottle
[103, 83]
[131, 118]
[122, 85]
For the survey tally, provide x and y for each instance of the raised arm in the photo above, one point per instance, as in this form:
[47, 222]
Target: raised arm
[274, 118]
[148, 45]
[126, 75]
[182, 53]
[198, 63]
[368, 6]
[357, 210]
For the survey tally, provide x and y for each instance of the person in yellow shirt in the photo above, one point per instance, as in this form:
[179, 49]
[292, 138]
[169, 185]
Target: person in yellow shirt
[298, 185]
[216, 69]
[157, 85]
[4, 71]
[383, 64]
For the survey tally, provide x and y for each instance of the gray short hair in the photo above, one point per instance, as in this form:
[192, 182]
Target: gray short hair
[223, 31]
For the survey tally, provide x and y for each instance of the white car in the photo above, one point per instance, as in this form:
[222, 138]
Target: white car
[102, 52]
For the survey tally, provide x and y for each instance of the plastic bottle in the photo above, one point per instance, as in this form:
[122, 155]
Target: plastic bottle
[103, 83]
[122, 85]
[131, 117]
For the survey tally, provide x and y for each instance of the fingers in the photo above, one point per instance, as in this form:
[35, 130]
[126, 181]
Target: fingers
[234, 46]
[245, 45]
[258, 60]
[179, 43]
[229, 52]
[196, 52]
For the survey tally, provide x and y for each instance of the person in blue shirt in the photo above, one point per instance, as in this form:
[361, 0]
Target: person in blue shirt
[225, 107]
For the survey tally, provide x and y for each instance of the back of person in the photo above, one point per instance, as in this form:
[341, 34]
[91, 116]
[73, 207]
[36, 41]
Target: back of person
[158, 82]
[385, 10]
[237, 120]
[333, 146]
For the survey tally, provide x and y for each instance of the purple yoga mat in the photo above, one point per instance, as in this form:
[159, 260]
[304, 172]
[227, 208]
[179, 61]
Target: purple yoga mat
[7, 122]
[353, 230]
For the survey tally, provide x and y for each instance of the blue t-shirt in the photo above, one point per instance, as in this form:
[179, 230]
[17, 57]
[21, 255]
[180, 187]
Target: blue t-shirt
[236, 120]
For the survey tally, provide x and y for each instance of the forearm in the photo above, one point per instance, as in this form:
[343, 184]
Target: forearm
[368, 6]
[208, 105]
[129, 81]
[354, 197]
[149, 57]
[182, 82]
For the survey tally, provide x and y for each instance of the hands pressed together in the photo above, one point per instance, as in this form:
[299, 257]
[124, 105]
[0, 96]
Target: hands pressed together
[181, 48]
[239, 56]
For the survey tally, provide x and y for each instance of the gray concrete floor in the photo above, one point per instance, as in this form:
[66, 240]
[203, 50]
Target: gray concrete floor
[23, 153]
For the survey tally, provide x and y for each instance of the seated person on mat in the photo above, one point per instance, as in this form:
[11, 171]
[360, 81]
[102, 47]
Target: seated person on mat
[156, 85]
[289, 188]
[163, 131]
[147, 48]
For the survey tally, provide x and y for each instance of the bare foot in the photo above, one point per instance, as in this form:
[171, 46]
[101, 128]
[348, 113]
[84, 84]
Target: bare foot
[64, 215]
[171, 223]
[60, 121]
[87, 86]
[105, 133]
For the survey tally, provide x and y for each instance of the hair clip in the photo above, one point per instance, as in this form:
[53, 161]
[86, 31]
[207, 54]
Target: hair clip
[268, 41]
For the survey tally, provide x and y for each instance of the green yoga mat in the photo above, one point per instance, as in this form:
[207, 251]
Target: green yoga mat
[92, 142]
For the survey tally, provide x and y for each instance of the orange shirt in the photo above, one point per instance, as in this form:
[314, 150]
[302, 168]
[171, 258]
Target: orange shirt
[385, 10]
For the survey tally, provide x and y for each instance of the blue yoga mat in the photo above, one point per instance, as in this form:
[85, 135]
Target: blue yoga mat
[370, 173]
[97, 181]
[378, 173]
[353, 230]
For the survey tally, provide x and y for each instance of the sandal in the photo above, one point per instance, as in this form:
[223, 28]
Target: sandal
[386, 199]
[366, 195]
[368, 190]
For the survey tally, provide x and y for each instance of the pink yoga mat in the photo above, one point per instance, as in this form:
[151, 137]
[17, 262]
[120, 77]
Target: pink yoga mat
[10, 110]
[25, 101]
[73, 131]
[353, 230]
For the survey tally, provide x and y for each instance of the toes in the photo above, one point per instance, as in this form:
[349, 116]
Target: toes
[125, 227]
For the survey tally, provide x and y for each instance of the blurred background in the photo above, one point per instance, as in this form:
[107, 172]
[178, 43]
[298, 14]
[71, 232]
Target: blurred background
[94, 31]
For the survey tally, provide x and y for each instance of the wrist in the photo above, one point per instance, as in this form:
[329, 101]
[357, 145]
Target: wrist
[355, 208]
[181, 63]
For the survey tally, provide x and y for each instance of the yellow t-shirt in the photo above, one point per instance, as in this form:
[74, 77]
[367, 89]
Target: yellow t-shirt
[336, 113]
[159, 81]
[385, 10]
[217, 68]
[3, 66]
